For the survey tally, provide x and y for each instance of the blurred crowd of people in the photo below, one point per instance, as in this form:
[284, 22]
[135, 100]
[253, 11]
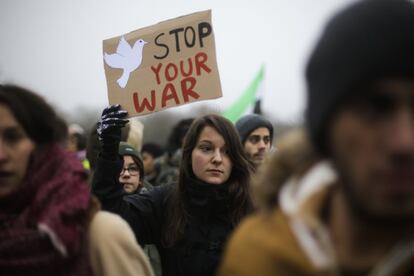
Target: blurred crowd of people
[334, 197]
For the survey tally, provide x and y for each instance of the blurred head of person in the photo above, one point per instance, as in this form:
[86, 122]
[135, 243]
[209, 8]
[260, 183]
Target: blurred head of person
[27, 124]
[213, 166]
[76, 138]
[150, 152]
[360, 110]
[176, 137]
[132, 173]
[256, 135]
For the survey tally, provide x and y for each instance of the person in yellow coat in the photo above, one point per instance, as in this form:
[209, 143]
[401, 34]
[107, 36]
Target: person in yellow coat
[344, 203]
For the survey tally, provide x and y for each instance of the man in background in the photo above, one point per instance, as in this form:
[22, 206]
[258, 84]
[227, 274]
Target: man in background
[351, 210]
[256, 135]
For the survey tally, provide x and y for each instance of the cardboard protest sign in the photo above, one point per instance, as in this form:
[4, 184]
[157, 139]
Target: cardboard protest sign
[164, 65]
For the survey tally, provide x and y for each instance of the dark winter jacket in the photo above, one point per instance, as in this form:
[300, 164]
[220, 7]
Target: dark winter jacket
[196, 254]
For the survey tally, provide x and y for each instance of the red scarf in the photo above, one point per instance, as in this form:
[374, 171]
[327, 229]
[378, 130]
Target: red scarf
[43, 223]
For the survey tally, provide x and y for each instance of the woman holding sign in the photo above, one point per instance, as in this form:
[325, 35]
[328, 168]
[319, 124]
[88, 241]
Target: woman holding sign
[49, 222]
[188, 221]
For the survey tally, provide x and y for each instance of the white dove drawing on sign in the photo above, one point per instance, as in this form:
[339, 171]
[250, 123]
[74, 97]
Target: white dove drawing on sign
[126, 58]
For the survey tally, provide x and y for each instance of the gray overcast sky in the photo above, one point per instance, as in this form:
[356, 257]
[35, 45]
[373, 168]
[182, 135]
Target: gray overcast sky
[55, 46]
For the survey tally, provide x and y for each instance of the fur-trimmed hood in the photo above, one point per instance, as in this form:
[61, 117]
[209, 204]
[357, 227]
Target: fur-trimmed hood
[299, 183]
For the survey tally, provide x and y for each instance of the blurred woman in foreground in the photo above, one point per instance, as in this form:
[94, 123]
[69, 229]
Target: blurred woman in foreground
[49, 223]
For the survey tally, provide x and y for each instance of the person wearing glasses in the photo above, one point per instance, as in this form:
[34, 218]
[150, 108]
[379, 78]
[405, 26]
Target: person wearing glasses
[132, 174]
[132, 180]
[256, 135]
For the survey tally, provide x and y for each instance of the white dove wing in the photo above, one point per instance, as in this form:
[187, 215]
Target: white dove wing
[114, 60]
[123, 48]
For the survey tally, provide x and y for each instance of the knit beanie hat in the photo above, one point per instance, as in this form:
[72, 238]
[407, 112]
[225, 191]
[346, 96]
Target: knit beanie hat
[248, 123]
[366, 41]
[127, 149]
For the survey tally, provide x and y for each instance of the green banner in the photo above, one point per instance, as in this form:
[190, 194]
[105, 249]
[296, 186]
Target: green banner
[247, 98]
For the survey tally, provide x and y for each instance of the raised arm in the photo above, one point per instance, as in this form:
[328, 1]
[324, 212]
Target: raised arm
[142, 212]
[105, 182]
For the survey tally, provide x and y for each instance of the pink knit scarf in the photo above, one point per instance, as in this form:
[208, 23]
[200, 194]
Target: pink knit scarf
[43, 223]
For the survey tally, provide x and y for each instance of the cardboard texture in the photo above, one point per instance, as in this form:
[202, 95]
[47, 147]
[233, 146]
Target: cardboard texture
[164, 65]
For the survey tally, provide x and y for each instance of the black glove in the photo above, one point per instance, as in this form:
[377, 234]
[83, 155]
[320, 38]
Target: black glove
[109, 130]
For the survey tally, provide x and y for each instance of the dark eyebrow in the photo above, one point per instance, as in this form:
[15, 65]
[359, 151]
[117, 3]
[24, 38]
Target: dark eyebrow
[205, 141]
[208, 142]
[13, 127]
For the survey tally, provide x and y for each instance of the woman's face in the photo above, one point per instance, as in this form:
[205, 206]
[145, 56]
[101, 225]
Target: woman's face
[15, 151]
[209, 158]
[129, 177]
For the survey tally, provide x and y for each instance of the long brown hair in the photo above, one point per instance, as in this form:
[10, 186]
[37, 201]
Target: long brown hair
[239, 198]
[37, 117]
